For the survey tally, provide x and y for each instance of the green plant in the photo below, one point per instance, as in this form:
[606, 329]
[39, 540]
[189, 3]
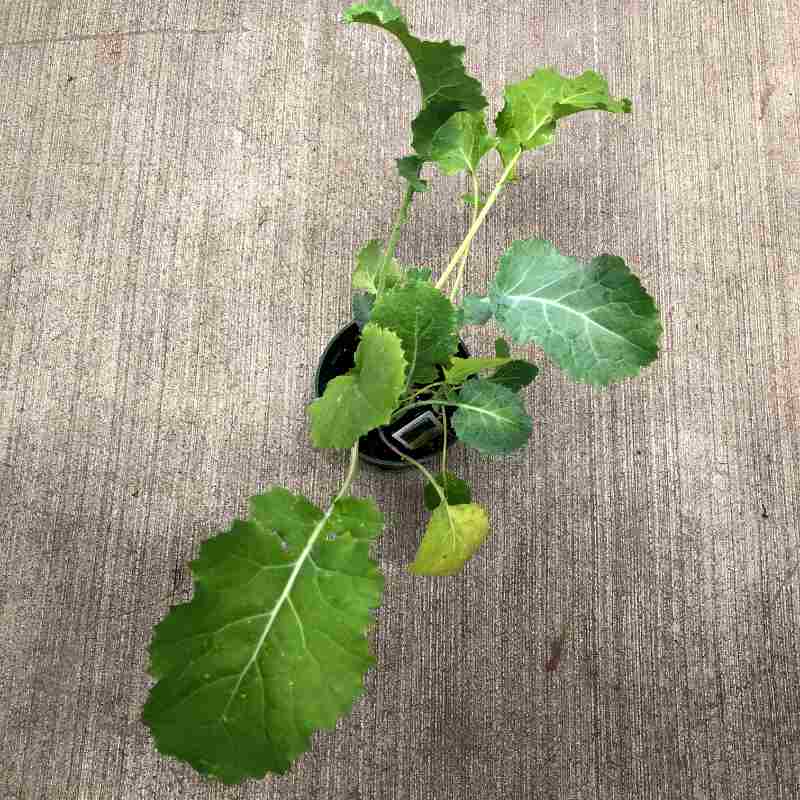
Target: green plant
[273, 644]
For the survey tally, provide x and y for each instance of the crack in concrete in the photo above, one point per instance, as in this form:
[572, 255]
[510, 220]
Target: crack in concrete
[93, 37]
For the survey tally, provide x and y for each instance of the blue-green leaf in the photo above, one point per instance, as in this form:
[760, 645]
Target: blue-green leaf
[477, 310]
[595, 321]
[490, 417]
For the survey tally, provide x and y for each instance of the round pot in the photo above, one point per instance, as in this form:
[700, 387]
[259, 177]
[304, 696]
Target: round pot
[417, 433]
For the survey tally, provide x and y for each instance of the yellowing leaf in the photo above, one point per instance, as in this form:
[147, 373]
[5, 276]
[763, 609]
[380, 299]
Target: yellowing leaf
[452, 537]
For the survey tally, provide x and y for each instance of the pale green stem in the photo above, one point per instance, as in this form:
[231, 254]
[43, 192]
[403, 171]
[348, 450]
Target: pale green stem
[444, 448]
[475, 227]
[424, 389]
[476, 196]
[413, 463]
[422, 403]
[351, 472]
[394, 238]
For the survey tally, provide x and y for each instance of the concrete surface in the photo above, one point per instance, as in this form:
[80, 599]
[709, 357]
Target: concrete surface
[184, 184]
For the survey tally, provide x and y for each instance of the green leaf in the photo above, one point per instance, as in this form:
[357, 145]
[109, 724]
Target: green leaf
[371, 268]
[409, 168]
[516, 374]
[461, 143]
[354, 404]
[456, 491]
[446, 87]
[595, 321]
[272, 646]
[490, 418]
[463, 368]
[425, 321]
[422, 274]
[453, 536]
[361, 305]
[501, 348]
[533, 106]
[470, 200]
[477, 310]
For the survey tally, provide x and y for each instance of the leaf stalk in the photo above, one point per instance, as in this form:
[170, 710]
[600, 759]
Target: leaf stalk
[476, 225]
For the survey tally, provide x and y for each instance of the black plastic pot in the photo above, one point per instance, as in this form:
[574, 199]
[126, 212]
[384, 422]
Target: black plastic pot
[417, 433]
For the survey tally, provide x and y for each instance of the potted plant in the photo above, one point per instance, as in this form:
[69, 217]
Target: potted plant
[273, 646]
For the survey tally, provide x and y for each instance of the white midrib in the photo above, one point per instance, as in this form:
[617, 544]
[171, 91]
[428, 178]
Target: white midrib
[521, 299]
[480, 410]
[284, 596]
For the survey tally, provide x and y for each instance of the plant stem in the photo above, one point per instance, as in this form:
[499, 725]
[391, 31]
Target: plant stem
[475, 227]
[351, 472]
[414, 463]
[424, 389]
[422, 403]
[394, 238]
[476, 196]
[444, 447]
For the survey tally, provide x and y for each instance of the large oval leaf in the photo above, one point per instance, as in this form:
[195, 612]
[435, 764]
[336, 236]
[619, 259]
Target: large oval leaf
[354, 404]
[273, 644]
[595, 321]
[490, 417]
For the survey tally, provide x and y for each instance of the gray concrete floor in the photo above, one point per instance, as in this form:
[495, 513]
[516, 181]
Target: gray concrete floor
[184, 184]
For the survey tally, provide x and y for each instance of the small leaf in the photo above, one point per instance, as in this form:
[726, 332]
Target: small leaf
[361, 304]
[370, 268]
[595, 321]
[477, 310]
[463, 368]
[446, 87]
[409, 168]
[515, 375]
[272, 646]
[456, 491]
[490, 418]
[354, 404]
[501, 348]
[453, 536]
[533, 106]
[425, 321]
[461, 143]
[470, 200]
[422, 274]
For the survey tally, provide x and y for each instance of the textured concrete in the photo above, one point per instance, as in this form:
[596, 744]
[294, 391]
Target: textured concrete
[183, 186]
